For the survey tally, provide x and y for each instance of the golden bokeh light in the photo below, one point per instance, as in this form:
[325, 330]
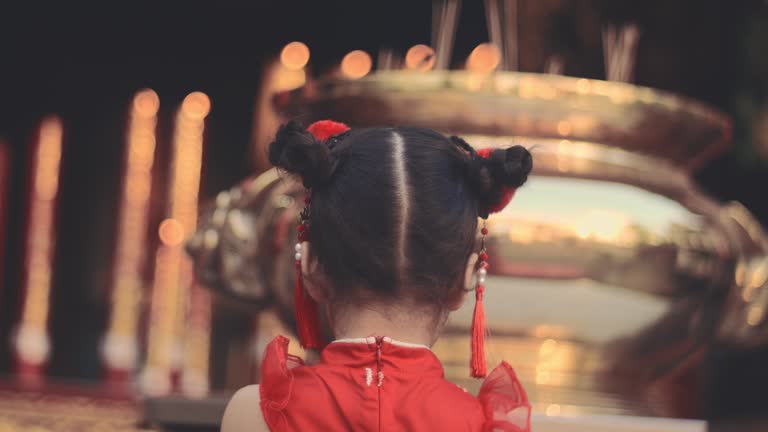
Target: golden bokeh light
[543, 375]
[356, 64]
[553, 410]
[171, 232]
[137, 193]
[601, 225]
[196, 105]
[32, 342]
[146, 103]
[755, 315]
[548, 347]
[582, 86]
[759, 276]
[295, 55]
[420, 58]
[141, 150]
[484, 58]
[285, 79]
[564, 127]
[173, 279]
[48, 159]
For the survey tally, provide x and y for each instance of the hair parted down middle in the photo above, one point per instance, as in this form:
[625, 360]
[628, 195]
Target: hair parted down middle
[395, 210]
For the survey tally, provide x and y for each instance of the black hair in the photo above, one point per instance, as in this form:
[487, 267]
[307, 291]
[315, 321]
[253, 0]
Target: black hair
[395, 209]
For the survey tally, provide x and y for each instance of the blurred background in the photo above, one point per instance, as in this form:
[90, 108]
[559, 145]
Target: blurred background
[84, 88]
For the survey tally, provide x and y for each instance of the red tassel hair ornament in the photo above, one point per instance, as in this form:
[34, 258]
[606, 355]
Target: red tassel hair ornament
[478, 367]
[477, 364]
[306, 311]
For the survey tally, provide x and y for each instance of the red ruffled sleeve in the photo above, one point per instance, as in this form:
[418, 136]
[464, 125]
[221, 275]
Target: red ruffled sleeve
[504, 401]
[276, 382]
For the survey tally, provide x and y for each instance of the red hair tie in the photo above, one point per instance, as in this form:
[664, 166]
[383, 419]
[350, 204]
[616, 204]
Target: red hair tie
[507, 192]
[324, 129]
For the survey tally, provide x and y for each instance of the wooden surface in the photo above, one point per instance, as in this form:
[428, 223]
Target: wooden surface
[68, 407]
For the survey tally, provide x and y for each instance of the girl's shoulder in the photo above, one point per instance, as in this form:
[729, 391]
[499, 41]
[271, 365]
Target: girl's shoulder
[243, 413]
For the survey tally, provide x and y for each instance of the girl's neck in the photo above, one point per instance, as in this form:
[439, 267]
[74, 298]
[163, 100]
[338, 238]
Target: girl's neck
[416, 327]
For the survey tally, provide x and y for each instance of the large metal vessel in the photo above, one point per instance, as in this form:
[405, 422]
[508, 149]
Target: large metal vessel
[612, 273]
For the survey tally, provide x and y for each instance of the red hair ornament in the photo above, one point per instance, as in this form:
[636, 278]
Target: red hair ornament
[478, 367]
[324, 129]
[507, 192]
[306, 311]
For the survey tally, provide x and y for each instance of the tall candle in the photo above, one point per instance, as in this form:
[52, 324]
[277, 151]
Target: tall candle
[173, 269]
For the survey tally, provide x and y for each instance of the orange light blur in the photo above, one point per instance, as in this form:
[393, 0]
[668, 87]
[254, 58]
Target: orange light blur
[173, 268]
[171, 232]
[420, 57]
[564, 127]
[755, 315]
[553, 410]
[120, 349]
[196, 106]
[356, 64]
[284, 79]
[194, 378]
[582, 86]
[484, 58]
[295, 55]
[48, 158]
[602, 226]
[32, 341]
[145, 103]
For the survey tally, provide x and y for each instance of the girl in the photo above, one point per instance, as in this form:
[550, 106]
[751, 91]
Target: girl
[387, 248]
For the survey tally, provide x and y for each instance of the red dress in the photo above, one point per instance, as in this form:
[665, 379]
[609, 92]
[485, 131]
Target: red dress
[376, 384]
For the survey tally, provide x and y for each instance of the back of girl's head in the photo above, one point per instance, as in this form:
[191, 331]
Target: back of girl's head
[394, 210]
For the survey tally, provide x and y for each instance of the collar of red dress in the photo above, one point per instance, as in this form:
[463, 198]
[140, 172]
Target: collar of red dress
[362, 352]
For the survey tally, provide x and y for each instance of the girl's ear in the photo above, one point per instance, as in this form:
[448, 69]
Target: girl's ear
[456, 300]
[314, 279]
[469, 271]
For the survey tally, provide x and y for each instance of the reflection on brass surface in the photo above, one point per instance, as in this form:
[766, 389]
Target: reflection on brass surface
[612, 273]
[622, 115]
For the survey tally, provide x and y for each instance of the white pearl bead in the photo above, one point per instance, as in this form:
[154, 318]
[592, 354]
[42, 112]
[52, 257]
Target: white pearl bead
[298, 247]
[298, 256]
[482, 272]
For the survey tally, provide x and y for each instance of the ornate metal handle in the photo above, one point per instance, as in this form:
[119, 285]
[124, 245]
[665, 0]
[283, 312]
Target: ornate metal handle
[745, 320]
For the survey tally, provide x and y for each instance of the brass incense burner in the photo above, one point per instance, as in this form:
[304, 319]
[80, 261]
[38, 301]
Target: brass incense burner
[611, 274]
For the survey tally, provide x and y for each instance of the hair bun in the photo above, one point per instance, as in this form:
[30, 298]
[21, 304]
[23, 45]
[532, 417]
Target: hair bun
[496, 174]
[298, 152]
[511, 166]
